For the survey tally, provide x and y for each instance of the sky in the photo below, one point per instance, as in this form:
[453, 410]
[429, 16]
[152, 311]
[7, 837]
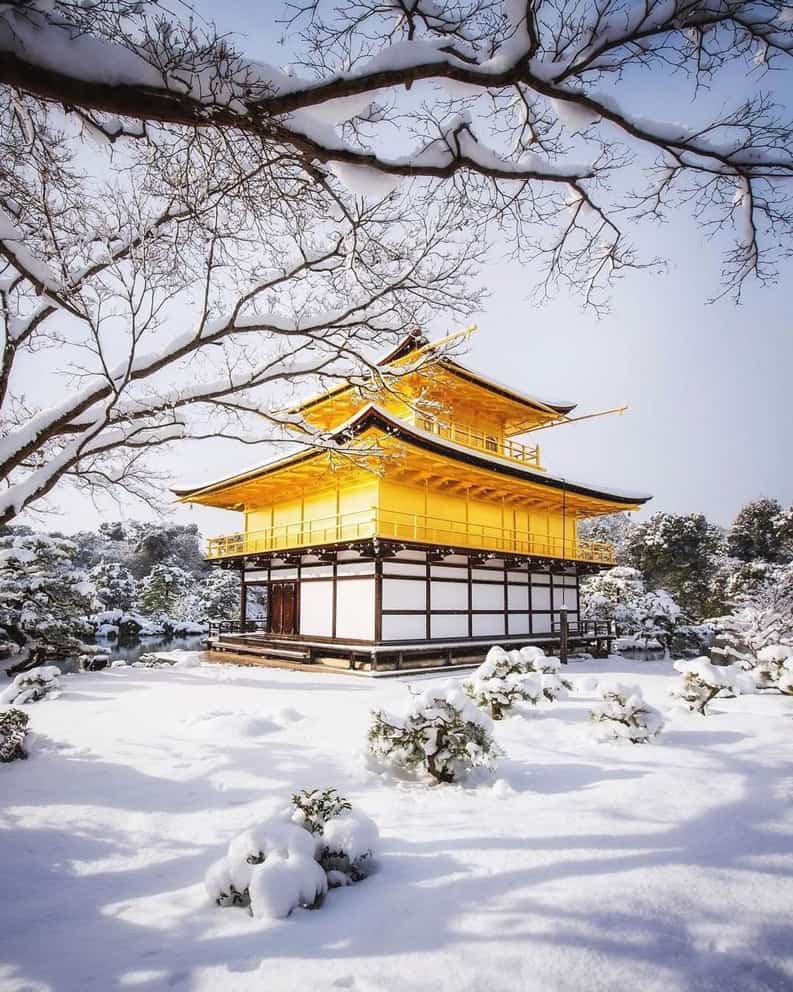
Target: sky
[707, 385]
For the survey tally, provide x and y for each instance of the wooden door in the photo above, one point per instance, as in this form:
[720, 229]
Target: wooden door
[283, 608]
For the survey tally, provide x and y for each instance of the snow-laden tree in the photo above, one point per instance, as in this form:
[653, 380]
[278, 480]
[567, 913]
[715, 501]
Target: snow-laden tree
[502, 681]
[242, 229]
[624, 715]
[441, 733]
[702, 681]
[116, 587]
[44, 599]
[163, 589]
[762, 617]
[761, 531]
[213, 596]
[614, 528]
[679, 553]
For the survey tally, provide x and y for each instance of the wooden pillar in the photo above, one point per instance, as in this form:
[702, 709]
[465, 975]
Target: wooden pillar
[563, 635]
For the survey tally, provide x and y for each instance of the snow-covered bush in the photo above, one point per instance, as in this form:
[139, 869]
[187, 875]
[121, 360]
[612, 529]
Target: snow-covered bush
[32, 685]
[442, 733]
[702, 681]
[316, 843]
[116, 586]
[774, 668]
[271, 869]
[548, 668]
[501, 681]
[13, 729]
[763, 618]
[345, 839]
[624, 715]
[44, 599]
[643, 617]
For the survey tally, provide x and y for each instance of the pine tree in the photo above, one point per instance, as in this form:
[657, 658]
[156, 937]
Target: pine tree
[759, 532]
[116, 586]
[161, 591]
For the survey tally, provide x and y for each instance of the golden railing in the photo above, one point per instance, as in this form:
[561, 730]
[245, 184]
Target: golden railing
[526, 454]
[417, 527]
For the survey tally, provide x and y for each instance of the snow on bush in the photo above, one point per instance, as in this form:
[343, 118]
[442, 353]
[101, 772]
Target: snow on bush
[702, 681]
[548, 668]
[316, 843]
[646, 618]
[774, 669]
[345, 840]
[442, 733]
[501, 681]
[30, 686]
[13, 729]
[624, 715]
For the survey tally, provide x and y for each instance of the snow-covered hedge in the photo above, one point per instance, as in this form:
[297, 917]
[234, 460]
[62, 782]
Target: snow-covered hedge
[624, 715]
[501, 681]
[13, 729]
[291, 860]
[30, 686]
[702, 681]
[442, 733]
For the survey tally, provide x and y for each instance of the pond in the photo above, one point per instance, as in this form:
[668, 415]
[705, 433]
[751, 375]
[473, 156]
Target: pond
[130, 651]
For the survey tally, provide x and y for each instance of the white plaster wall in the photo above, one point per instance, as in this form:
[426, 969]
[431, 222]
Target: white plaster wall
[448, 595]
[448, 572]
[486, 597]
[403, 568]
[518, 623]
[315, 571]
[517, 576]
[489, 574]
[316, 608]
[256, 576]
[541, 624]
[449, 626]
[541, 597]
[404, 628]
[355, 568]
[488, 623]
[404, 594]
[518, 597]
[355, 609]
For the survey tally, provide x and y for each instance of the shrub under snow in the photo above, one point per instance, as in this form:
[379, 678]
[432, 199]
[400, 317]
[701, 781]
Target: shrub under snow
[548, 667]
[702, 681]
[501, 681]
[30, 686]
[774, 669]
[291, 860]
[624, 715]
[442, 732]
[13, 728]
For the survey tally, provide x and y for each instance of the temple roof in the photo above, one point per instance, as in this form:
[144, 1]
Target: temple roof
[375, 417]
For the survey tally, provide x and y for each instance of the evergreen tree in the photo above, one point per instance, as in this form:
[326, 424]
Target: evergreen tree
[760, 531]
[216, 596]
[680, 553]
[161, 591]
[116, 586]
[614, 528]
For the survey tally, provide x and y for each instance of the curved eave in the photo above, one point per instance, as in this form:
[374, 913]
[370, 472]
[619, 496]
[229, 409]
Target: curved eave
[374, 417]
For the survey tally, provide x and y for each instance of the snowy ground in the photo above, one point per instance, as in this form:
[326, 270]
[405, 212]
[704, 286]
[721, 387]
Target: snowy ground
[578, 866]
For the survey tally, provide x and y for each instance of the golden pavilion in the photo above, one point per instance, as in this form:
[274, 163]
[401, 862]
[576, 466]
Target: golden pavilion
[417, 530]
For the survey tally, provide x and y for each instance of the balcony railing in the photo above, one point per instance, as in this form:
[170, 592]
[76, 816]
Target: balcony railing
[417, 527]
[526, 454]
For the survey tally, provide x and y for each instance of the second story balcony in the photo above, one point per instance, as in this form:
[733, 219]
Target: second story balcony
[490, 444]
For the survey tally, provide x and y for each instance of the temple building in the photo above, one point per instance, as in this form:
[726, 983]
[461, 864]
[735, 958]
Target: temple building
[419, 531]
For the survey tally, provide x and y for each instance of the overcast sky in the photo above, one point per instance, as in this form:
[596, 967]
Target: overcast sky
[708, 386]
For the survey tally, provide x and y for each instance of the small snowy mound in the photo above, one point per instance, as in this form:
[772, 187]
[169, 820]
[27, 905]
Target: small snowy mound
[168, 659]
[702, 681]
[271, 869]
[30, 686]
[291, 860]
[442, 733]
[501, 681]
[623, 715]
[13, 729]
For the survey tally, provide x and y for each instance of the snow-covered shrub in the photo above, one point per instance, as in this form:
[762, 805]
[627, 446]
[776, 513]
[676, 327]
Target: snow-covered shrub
[316, 843]
[624, 715]
[13, 729]
[271, 869]
[442, 732]
[702, 681]
[774, 668]
[345, 839]
[548, 668]
[645, 618]
[501, 681]
[116, 587]
[30, 686]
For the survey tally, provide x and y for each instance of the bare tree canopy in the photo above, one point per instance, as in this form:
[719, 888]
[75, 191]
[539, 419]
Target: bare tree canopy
[236, 226]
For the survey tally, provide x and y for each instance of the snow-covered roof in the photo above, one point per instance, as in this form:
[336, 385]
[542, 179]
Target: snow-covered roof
[373, 415]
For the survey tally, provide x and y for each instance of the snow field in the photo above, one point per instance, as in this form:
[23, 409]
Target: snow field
[575, 865]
